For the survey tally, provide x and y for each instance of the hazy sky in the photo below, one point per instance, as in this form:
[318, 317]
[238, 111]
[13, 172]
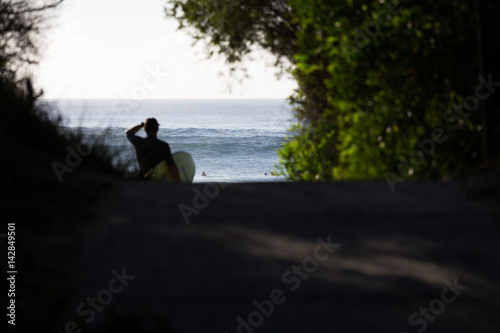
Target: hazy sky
[128, 49]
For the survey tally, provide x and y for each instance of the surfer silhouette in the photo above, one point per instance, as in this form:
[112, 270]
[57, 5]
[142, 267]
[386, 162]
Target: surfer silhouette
[150, 150]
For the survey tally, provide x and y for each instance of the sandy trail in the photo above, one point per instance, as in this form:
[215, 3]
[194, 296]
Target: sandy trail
[395, 252]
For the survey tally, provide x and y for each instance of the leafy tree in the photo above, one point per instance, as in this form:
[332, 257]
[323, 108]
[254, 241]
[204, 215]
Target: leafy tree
[20, 24]
[382, 84]
[489, 33]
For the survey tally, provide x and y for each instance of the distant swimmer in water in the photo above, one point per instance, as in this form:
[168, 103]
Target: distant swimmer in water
[203, 174]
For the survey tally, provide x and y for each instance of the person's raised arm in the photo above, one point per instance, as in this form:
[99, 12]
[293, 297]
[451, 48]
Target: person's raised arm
[134, 129]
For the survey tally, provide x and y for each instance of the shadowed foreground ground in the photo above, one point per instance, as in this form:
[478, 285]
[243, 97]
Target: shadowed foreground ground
[396, 251]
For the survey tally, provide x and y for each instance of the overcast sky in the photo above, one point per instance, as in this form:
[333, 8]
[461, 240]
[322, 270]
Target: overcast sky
[128, 49]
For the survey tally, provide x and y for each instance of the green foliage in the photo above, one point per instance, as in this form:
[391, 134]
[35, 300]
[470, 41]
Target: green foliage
[383, 79]
[44, 209]
[374, 77]
[21, 22]
[31, 130]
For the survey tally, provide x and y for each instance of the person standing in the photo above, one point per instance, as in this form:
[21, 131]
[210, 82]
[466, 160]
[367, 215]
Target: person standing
[150, 150]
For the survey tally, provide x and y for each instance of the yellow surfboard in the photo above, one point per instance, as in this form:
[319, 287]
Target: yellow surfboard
[185, 164]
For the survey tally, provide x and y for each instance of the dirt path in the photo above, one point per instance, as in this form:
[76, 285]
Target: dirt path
[336, 257]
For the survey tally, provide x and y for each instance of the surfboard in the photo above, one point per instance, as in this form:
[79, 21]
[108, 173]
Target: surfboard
[185, 164]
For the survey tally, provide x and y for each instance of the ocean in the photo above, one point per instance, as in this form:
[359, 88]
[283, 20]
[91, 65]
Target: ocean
[231, 140]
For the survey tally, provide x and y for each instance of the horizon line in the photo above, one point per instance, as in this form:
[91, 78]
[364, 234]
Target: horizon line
[152, 99]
